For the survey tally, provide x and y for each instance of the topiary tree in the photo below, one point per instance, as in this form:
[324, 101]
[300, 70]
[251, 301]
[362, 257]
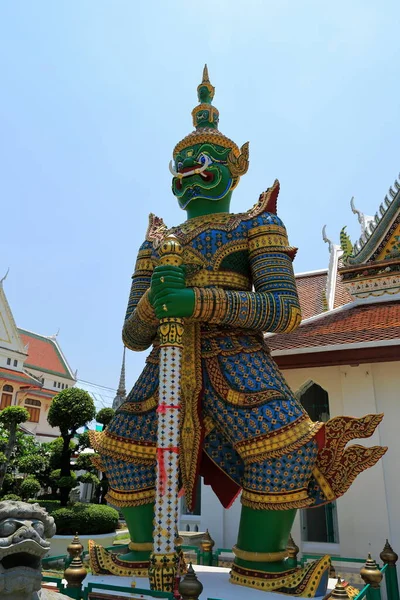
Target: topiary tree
[10, 418]
[105, 416]
[70, 409]
[29, 487]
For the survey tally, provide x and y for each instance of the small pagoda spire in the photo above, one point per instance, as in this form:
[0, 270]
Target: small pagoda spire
[121, 391]
[121, 387]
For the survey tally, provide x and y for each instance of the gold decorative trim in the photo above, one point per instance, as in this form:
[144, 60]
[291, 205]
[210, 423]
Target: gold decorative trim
[108, 444]
[259, 556]
[191, 428]
[221, 386]
[122, 499]
[103, 562]
[278, 501]
[144, 264]
[145, 311]
[171, 331]
[208, 425]
[143, 406]
[275, 443]
[228, 279]
[297, 582]
[227, 249]
[163, 571]
[206, 136]
[141, 546]
[323, 484]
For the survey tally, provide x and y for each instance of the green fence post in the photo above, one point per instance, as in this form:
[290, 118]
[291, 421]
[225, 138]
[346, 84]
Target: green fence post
[207, 544]
[372, 576]
[389, 557]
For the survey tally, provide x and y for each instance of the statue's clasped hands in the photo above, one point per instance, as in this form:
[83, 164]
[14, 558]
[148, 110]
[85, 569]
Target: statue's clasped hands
[169, 295]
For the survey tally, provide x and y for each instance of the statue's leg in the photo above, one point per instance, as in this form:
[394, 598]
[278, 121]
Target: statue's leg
[273, 488]
[139, 520]
[260, 556]
[263, 532]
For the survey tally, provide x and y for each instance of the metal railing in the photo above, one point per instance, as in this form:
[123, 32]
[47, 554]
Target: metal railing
[373, 575]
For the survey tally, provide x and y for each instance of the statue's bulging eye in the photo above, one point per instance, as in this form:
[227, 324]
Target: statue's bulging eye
[202, 159]
[179, 166]
[8, 528]
[38, 526]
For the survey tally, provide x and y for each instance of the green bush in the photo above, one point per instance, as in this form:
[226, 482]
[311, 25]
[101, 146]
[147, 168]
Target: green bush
[30, 487]
[9, 482]
[49, 505]
[86, 519]
[48, 497]
[11, 497]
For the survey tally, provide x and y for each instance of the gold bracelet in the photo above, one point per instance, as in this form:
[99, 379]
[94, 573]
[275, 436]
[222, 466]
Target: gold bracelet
[145, 311]
[197, 303]
[259, 556]
[141, 546]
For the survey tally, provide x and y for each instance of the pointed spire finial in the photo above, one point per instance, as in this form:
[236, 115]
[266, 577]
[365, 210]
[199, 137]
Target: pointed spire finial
[326, 239]
[121, 387]
[205, 91]
[5, 276]
[121, 391]
[205, 74]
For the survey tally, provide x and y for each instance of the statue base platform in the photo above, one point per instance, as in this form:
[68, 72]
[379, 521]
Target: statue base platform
[215, 582]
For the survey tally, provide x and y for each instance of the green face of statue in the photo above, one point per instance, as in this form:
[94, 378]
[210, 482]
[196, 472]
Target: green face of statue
[201, 173]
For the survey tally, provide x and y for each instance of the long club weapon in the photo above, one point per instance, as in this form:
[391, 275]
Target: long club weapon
[164, 559]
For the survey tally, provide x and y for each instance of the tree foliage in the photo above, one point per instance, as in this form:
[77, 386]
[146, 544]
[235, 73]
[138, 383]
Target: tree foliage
[29, 487]
[10, 418]
[13, 415]
[105, 416]
[71, 409]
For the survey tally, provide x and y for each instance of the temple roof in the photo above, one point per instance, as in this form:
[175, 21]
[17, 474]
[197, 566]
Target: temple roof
[311, 288]
[380, 238]
[44, 354]
[377, 323]
[19, 377]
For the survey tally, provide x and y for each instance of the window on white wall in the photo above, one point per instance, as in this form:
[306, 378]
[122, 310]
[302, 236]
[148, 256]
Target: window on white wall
[33, 408]
[6, 396]
[9, 361]
[318, 524]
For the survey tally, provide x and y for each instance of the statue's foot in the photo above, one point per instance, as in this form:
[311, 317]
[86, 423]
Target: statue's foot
[309, 581]
[103, 562]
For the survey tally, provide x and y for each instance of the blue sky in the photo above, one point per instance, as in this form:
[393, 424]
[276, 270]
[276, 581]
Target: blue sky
[95, 94]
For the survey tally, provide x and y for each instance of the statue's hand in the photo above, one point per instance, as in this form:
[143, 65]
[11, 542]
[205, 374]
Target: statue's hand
[168, 291]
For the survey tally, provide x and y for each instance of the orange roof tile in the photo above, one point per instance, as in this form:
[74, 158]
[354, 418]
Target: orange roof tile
[43, 354]
[363, 323]
[342, 295]
[18, 376]
[311, 289]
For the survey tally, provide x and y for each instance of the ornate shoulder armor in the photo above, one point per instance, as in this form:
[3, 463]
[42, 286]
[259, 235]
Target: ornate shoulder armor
[267, 202]
[156, 229]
